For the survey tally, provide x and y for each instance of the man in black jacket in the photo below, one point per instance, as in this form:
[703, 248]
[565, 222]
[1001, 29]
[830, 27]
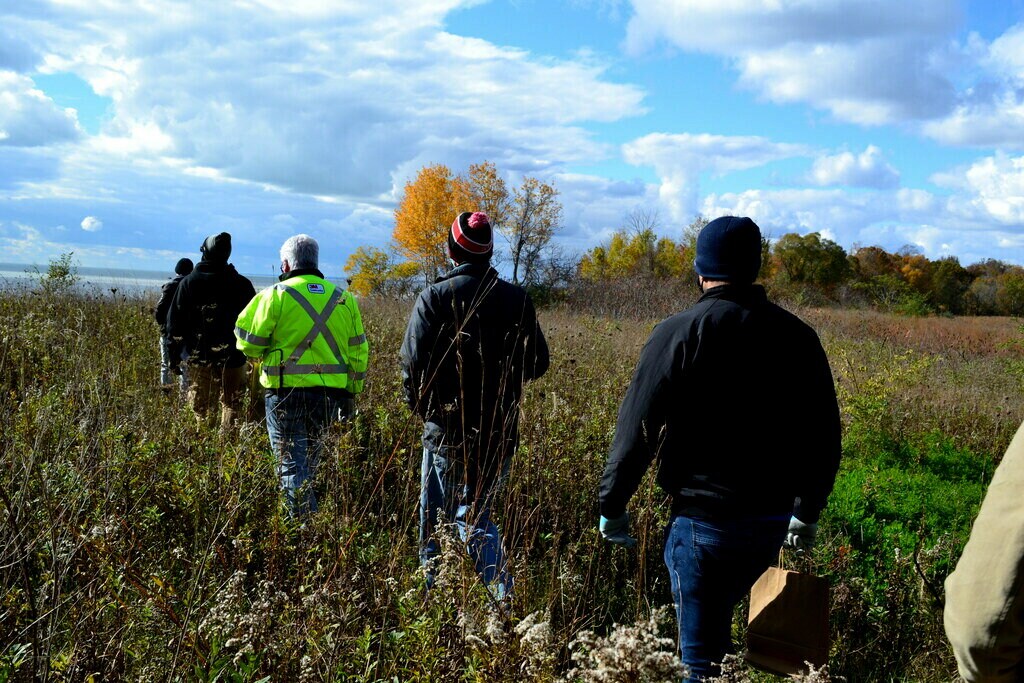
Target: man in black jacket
[202, 319]
[734, 398]
[472, 341]
[170, 354]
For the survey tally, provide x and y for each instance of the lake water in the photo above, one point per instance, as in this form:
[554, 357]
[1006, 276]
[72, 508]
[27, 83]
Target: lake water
[104, 279]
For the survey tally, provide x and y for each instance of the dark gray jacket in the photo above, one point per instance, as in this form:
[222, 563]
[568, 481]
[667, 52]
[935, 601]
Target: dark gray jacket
[471, 342]
[735, 399]
[163, 305]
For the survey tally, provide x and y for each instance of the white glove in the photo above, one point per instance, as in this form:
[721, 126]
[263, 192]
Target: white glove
[617, 530]
[800, 536]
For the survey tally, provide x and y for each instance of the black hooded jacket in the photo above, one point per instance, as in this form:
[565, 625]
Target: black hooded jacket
[163, 305]
[472, 340]
[204, 311]
[735, 399]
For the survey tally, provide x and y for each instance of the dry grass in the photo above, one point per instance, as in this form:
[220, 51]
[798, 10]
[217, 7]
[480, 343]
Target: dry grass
[137, 545]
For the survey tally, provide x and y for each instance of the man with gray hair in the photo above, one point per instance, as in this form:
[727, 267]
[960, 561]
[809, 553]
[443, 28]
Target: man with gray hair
[309, 335]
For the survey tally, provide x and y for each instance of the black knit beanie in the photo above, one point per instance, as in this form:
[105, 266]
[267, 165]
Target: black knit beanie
[183, 267]
[729, 248]
[217, 248]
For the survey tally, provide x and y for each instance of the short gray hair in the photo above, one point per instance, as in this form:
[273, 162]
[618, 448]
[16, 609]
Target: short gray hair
[301, 251]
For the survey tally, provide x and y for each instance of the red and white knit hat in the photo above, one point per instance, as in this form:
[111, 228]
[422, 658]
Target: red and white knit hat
[471, 238]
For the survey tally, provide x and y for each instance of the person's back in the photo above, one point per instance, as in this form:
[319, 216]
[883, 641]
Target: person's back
[471, 342]
[467, 372]
[734, 398]
[204, 311]
[170, 353]
[202, 319]
[307, 333]
[757, 386]
[182, 268]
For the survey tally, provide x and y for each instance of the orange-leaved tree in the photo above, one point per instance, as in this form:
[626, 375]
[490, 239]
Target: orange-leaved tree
[428, 206]
[489, 193]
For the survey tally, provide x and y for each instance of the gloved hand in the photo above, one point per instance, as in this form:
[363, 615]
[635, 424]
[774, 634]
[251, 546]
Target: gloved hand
[617, 530]
[801, 536]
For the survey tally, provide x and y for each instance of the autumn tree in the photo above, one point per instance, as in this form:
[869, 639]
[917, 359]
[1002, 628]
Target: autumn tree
[534, 215]
[489, 193]
[1010, 292]
[915, 268]
[948, 283]
[527, 216]
[594, 266]
[688, 245]
[869, 262]
[640, 254]
[810, 259]
[424, 215]
[376, 271]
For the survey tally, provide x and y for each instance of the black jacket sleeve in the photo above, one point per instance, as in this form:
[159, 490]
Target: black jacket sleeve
[167, 291]
[639, 428]
[415, 355]
[178, 313]
[824, 442]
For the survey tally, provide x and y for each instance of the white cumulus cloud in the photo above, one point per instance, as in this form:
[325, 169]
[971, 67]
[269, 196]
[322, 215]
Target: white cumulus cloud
[92, 224]
[341, 99]
[989, 190]
[866, 61]
[679, 159]
[867, 169]
[28, 118]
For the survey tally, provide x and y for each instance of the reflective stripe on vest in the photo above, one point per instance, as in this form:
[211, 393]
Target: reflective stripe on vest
[311, 369]
[291, 366]
[249, 337]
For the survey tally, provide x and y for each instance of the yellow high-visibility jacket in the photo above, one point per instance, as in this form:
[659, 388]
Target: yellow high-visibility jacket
[308, 333]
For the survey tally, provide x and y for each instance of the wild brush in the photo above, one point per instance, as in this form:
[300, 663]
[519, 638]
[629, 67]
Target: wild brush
[135, 544]
[634, 653]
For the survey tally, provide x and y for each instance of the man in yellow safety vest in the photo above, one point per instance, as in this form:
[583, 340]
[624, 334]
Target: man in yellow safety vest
[310, 337]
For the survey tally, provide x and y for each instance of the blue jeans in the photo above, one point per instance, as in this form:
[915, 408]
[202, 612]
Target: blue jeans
[444, 489]
[711, 566]
[297, 419]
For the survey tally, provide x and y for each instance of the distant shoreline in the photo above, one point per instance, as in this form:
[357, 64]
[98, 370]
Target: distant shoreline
[123, 279]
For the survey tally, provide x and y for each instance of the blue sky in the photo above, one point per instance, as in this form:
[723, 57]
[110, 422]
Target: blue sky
[130, 131]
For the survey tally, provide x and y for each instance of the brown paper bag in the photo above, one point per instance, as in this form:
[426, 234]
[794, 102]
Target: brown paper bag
[788, 622]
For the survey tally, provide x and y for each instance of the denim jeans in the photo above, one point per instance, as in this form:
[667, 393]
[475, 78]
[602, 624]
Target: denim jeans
[297, 419]
[444, 490]
[711, 566]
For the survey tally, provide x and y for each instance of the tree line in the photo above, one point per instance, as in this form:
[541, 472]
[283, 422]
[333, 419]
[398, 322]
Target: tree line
[809, 269]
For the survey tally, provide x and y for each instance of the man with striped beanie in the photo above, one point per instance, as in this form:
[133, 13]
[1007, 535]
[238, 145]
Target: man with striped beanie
[472, 341]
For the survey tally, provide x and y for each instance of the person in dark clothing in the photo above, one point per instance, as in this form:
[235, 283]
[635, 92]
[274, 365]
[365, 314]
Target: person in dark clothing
[734, 399]
[472, 341]
[170, 354]
[202, 319]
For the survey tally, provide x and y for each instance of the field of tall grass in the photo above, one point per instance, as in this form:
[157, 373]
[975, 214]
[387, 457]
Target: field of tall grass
[137, 544]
